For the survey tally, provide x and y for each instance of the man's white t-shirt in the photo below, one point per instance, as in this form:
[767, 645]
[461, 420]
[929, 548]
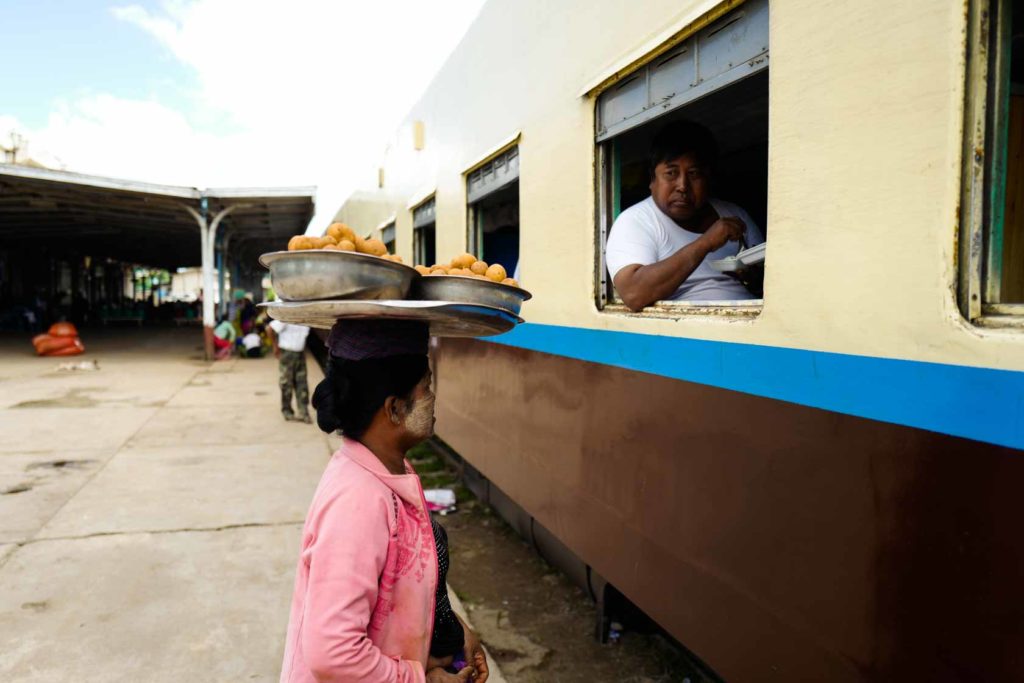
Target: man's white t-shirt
[290, 337]
[643, 234]
[251, 341]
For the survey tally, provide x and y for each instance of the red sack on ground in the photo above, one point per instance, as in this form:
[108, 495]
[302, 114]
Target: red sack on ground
[73, 350]
[47, 346]
[38, 338]
[63, 330]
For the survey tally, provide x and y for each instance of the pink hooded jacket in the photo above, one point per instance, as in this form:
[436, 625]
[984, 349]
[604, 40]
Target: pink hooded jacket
[363, 606]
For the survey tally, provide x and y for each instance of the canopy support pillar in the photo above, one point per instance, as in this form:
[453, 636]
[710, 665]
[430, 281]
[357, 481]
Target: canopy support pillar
[208, 238]
[222, 272]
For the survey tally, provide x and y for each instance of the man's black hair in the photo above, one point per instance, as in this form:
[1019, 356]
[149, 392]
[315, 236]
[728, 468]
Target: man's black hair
[683, 137]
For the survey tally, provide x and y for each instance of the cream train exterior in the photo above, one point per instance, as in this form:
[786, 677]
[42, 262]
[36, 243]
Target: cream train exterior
[781, 486]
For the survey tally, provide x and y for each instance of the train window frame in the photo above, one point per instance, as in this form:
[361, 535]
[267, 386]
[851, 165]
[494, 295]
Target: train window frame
[634, 117]
[495, 175]
[984, 187]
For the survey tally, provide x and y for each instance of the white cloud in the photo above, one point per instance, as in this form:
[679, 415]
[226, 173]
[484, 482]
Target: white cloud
[303, 92]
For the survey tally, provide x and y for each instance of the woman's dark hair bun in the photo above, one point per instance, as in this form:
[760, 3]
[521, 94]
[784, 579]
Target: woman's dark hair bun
[352, 392]
[328, 397]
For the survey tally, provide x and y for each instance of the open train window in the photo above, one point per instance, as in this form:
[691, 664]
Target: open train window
[492, 192]
[424, 232]
[387, 236]
[992, 247]
[718, 78]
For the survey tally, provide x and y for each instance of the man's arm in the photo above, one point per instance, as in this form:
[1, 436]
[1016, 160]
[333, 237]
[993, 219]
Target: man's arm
[641, 286]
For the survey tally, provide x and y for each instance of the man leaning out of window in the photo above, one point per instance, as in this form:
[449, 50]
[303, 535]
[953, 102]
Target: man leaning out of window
[659, 249]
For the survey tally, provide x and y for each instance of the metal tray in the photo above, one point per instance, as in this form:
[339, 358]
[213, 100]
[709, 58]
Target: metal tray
[446, 318]
[316, 274]
[742, 260]
[469, 290]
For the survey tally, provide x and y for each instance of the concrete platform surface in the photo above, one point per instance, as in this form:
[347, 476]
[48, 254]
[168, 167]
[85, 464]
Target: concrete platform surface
[150, 512]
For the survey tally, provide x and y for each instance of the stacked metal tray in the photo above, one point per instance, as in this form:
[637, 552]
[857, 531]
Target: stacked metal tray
[319, 287]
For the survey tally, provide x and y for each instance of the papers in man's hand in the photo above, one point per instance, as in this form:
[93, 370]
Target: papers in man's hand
[741, 261]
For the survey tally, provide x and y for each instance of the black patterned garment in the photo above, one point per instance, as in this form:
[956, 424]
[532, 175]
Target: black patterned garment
[448, 636]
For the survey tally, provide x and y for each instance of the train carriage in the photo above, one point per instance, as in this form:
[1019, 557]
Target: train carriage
[823, 483]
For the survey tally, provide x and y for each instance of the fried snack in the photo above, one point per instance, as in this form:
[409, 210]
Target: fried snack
[327, 239]
[510, 281]
[360, 245]
[376, 247]
[422, 270]
[340, 231]
[479, 267]
[302, 242]
[346, 245]
[438, 269]
[437, 272]
[330, 247]
[463, 261]
[496, 273]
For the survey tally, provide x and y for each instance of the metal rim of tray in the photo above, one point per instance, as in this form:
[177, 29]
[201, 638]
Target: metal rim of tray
[272, 256]
[446, 318]
[518, 291]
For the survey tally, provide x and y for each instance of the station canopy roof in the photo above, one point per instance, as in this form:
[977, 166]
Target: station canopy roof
[137, 222]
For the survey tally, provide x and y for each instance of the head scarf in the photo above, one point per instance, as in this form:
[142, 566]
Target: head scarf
[357, 339]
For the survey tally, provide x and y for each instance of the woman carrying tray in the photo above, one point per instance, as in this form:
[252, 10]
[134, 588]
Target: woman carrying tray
[370, 601]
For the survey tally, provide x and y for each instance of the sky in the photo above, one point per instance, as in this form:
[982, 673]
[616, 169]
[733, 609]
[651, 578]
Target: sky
[215, 93]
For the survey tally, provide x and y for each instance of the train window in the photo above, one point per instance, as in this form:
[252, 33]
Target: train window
[387, 236]
[492, 191]
[992, 250]
[717, 78]
[424, 232]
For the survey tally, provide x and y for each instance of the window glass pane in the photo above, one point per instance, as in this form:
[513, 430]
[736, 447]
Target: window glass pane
[494, 175]
[731, 49]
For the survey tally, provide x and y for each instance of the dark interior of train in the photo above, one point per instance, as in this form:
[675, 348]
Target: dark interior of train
[496, 219]
[424, 244]
[1012, 271]
[738, 117]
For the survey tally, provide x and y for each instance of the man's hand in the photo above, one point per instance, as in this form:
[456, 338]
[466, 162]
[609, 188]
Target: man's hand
[723, 230]
[439, 675]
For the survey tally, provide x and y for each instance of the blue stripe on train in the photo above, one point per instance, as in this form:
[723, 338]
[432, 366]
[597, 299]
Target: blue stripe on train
[976, 403]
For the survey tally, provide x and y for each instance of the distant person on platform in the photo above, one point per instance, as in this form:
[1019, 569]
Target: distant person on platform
[223, 338]
[253, 343]
[660, 248]
[289, 343]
